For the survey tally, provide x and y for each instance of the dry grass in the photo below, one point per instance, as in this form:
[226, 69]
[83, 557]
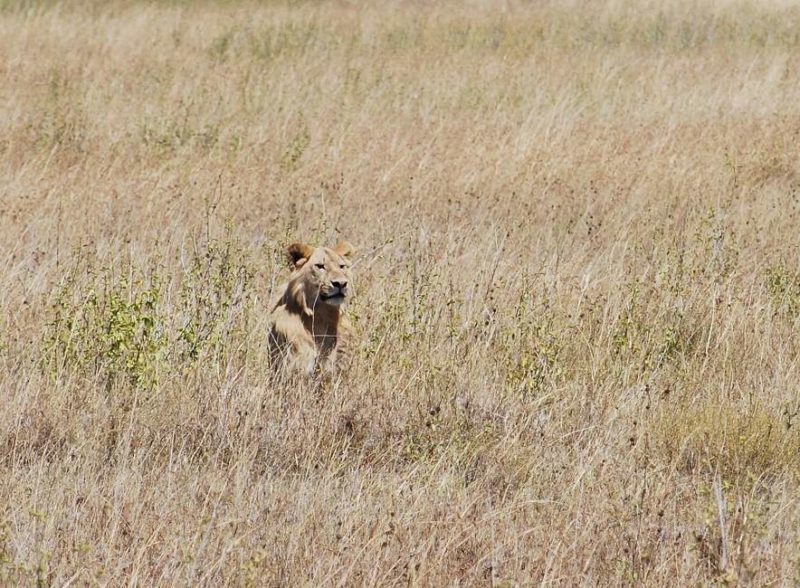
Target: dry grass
[579, 292]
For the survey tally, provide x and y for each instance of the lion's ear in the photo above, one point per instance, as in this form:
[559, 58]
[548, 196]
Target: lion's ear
[344, 249]
[299, 254]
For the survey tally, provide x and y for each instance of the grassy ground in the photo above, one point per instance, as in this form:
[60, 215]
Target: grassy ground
[578, 291]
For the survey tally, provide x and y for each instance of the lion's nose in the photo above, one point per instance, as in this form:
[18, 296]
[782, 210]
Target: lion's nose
[341, 284]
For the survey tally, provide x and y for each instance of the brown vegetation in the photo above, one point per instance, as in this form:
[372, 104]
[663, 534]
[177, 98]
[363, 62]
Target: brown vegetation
[578, 288]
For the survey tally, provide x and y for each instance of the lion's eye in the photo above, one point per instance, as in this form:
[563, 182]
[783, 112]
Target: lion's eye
[342, 266]
[319, 265]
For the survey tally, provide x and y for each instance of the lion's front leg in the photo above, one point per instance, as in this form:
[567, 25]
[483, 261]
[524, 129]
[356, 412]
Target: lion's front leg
[292, 347]
[304, 359]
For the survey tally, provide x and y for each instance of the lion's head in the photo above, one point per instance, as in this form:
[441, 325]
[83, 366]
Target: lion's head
[321, 275]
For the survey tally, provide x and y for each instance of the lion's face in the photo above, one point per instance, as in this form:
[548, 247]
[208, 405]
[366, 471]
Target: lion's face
[329, 274]
[325, 273]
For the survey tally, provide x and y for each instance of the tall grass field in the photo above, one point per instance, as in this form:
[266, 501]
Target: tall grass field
[577, 292]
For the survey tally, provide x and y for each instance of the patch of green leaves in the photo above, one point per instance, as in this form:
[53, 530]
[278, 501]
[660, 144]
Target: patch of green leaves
[114, 330]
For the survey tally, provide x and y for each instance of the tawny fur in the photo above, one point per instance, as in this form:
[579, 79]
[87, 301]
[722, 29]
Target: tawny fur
[308, 330]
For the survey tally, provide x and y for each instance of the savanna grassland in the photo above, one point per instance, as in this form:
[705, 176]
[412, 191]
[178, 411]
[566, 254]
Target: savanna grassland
[578, 292]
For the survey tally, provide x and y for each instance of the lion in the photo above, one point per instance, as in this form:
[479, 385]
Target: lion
[309, 330]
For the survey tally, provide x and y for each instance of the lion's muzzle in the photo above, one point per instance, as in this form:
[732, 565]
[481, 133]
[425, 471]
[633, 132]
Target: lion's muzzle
[337, 291]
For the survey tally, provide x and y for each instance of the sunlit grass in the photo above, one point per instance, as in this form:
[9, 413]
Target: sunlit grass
[577, 292]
